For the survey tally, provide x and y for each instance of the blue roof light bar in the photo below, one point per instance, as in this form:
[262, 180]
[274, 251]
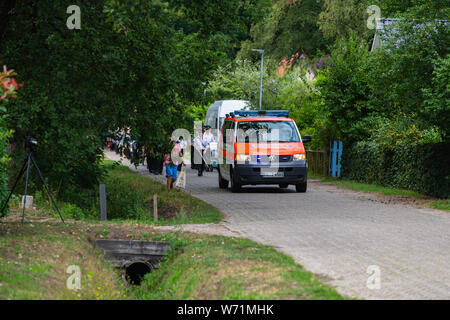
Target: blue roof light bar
[273, 113]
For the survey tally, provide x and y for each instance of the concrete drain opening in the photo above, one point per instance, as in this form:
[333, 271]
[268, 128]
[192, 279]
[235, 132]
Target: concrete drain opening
[136, 258]
[135, 271]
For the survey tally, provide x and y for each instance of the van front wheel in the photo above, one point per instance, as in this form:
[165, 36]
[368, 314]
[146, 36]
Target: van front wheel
[301, 187]
[235, 186]
[223, 184]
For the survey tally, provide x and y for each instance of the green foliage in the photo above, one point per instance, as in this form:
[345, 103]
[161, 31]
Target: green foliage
[130, 196]
[341, 18]
[4, 135]
[436, 105]
[68, 88]
[301, 98]
[403, 71]
[413, 166]
[241, 80]
[344, 90]
[127, 67]
[408, 75]
[289, 27]
[124, 202]
[8, 88]
[197, 112]
[427, 9]
[400, 129]
[229, 22]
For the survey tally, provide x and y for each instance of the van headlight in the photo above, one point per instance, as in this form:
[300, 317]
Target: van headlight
[242, 157]
[299, 156]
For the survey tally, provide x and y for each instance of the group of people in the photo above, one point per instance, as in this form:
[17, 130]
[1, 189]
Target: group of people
[158, 158]
[173, 162]
[123, 145]
[200, 149]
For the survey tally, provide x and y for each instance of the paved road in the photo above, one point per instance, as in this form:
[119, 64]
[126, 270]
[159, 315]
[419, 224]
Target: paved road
[339, 234]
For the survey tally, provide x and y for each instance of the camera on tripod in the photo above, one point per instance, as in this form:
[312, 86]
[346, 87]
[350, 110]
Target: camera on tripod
[31, 147]
[31, 143]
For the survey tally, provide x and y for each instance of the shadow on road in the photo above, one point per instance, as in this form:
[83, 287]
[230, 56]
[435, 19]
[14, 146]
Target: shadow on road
[265, 189]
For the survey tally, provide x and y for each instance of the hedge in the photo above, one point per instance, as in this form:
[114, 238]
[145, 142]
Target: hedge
[424, 168]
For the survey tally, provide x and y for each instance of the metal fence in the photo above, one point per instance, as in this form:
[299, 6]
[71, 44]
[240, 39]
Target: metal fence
[317, 162]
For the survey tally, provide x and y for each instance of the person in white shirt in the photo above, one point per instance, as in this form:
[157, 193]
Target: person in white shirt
[208, 137]
[198, 152]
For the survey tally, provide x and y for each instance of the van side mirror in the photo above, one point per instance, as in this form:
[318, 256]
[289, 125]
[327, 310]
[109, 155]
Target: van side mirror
[306, 138]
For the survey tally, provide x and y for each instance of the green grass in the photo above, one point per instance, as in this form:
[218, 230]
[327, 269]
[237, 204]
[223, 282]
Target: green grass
[34, 259]
[441, 204]
[214, 267]
[366, 187]
[131, 197]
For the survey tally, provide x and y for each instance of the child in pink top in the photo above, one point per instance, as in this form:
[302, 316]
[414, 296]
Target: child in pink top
[172, 166]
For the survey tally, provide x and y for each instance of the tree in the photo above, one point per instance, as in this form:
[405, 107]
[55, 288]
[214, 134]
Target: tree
[340, 18]
[229, 20]
[241, 80]
[344, 89]
[407, 69]
[436, 104]
[422, 9]
[115, 72]
[289, 27]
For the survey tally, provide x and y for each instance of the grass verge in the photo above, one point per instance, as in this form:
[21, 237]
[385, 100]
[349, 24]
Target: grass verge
[34, 259]
[389, 191]
[130, 196]
[213, 267]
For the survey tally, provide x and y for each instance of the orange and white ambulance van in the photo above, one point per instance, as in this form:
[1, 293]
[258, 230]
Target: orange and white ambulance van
[262, 147]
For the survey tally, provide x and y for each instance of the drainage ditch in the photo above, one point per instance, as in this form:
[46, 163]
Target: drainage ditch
[135, 258]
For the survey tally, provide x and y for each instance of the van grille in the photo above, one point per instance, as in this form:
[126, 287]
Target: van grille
[266, 159]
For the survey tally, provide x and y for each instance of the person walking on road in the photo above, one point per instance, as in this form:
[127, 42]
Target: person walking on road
[171, 164]
[182, 144]
[208, 137]
[198, 156]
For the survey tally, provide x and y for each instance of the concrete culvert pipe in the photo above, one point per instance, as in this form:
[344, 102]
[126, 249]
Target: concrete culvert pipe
[135, 271]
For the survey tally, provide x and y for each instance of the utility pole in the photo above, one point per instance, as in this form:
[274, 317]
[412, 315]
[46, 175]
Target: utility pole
[260, 83]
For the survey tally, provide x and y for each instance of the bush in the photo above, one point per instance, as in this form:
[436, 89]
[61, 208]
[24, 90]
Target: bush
[414, 166]
[123, 201]
[8, 87]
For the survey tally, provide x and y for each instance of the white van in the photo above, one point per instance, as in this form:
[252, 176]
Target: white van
[215, 117]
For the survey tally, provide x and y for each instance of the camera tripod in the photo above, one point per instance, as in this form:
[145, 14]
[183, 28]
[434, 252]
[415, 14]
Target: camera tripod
[26, 165]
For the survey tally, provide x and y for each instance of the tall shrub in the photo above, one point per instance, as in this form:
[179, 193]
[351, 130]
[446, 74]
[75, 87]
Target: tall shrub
[8, 86]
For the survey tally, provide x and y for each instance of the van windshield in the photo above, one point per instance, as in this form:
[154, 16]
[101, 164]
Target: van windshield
[267, 131]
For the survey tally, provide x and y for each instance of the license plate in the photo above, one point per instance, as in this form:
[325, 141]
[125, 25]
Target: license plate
[271, 172]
